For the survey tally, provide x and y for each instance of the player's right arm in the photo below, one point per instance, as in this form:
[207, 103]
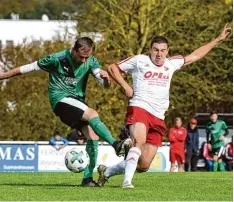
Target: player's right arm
[47, 63]
[171, 136]
[127, 65]
[19, 70]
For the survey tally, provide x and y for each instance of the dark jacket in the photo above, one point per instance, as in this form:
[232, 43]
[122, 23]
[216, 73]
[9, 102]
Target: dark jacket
[192, 140]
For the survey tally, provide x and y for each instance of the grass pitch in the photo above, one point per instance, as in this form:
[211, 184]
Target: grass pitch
[199, 186]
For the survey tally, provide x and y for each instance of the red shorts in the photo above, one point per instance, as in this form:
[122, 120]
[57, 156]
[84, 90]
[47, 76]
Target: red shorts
[155, 127]
[178, 156]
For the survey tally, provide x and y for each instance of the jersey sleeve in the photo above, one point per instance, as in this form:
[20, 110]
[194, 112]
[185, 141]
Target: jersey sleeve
[128, 65]
[224, 126]
[177, 62]
[94, 64]
[48, 63]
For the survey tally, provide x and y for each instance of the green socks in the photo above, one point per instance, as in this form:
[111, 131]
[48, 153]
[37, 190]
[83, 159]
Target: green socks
[92, 150]
[101, 130]
[221, 166]
[215, 166]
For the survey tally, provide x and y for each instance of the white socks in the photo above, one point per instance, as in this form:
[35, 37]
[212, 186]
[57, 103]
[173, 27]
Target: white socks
[128, 166]
[116, 169]
[131, 164]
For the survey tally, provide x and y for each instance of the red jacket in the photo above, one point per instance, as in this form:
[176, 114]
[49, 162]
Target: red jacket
[228, 152]
[206, 153]
[177, 138]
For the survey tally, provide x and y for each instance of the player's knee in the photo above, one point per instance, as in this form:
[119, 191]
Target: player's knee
[89, 114]
[215, 158]
[138, 144]
[139, 141]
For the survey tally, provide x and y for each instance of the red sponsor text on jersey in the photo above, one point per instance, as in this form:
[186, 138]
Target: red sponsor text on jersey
[153, 75]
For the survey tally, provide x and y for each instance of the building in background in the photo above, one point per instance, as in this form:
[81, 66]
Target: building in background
[17, 31]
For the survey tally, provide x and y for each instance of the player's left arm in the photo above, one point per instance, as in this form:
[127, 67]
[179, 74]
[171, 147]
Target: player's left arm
[226, 131]
[52, 142]
[197, 141]
[101, 75]
[202, 51]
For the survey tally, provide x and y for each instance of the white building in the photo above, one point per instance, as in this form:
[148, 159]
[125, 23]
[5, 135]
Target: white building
[17, 31]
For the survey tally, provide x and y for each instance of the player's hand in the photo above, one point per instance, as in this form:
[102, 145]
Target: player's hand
[128, 91]
[221, 137]
[224, 34]
[2, 75]
[105, 76]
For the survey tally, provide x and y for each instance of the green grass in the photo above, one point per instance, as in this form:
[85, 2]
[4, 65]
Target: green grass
[148, 186]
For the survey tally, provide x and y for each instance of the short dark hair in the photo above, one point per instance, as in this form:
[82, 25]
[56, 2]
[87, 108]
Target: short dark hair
[83, 41]
[159, 39]
[213, 112]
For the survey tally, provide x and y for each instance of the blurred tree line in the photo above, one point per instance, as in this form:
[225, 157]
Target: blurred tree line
[34, 9]
[127, 29]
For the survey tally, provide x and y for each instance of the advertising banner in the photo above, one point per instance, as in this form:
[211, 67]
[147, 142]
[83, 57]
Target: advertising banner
[18, 158]
[45, 158]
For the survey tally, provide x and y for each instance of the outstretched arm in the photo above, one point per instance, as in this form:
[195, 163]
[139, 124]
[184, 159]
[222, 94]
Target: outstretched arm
[202, 51]
[114, 72]
[19, 70]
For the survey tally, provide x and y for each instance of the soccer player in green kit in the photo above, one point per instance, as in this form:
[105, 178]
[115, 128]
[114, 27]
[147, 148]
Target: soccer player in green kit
[68, 74]
[216, 131]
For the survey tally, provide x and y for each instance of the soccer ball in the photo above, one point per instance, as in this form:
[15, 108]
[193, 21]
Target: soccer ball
[76, 160]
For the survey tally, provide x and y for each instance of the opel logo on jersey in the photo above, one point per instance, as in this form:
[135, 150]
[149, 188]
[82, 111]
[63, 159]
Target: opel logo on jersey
[152, 75]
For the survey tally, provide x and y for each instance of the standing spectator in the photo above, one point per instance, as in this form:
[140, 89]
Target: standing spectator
[177, 136]
[206, 151]
[55, 142]
[76, 136]
[192, 146]
[217, 130]
[228, 155]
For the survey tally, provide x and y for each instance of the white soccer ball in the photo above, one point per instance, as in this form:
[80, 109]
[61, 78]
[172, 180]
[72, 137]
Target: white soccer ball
[76, 160]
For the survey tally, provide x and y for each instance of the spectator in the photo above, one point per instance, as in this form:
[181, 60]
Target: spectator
[76, 136]
[177, 136]
[55, 142]
[217, 130]
[228, 155]
[207, 156]
[192, 146]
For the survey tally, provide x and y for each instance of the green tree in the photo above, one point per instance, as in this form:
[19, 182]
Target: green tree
[127, 30]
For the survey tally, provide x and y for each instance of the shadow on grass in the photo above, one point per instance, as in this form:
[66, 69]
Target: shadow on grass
[52, 185]
[38, 185]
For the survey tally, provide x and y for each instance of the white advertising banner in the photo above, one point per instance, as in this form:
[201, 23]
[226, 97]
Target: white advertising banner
[51, 160]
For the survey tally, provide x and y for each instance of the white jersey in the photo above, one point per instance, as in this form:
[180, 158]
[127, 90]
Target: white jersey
[151, 83]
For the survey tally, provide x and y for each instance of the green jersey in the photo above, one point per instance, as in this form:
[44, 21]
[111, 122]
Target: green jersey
[216, 130]
[66, 77]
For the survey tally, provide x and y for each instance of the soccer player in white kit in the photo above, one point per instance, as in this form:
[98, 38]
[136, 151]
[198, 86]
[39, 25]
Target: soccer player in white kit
[149, 99]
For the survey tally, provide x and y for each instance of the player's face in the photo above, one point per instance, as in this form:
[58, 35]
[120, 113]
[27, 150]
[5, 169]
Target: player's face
[158, 53]
[82, 54]
[178, 123]
[57, 137]
[192, 126]
[214, 118]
